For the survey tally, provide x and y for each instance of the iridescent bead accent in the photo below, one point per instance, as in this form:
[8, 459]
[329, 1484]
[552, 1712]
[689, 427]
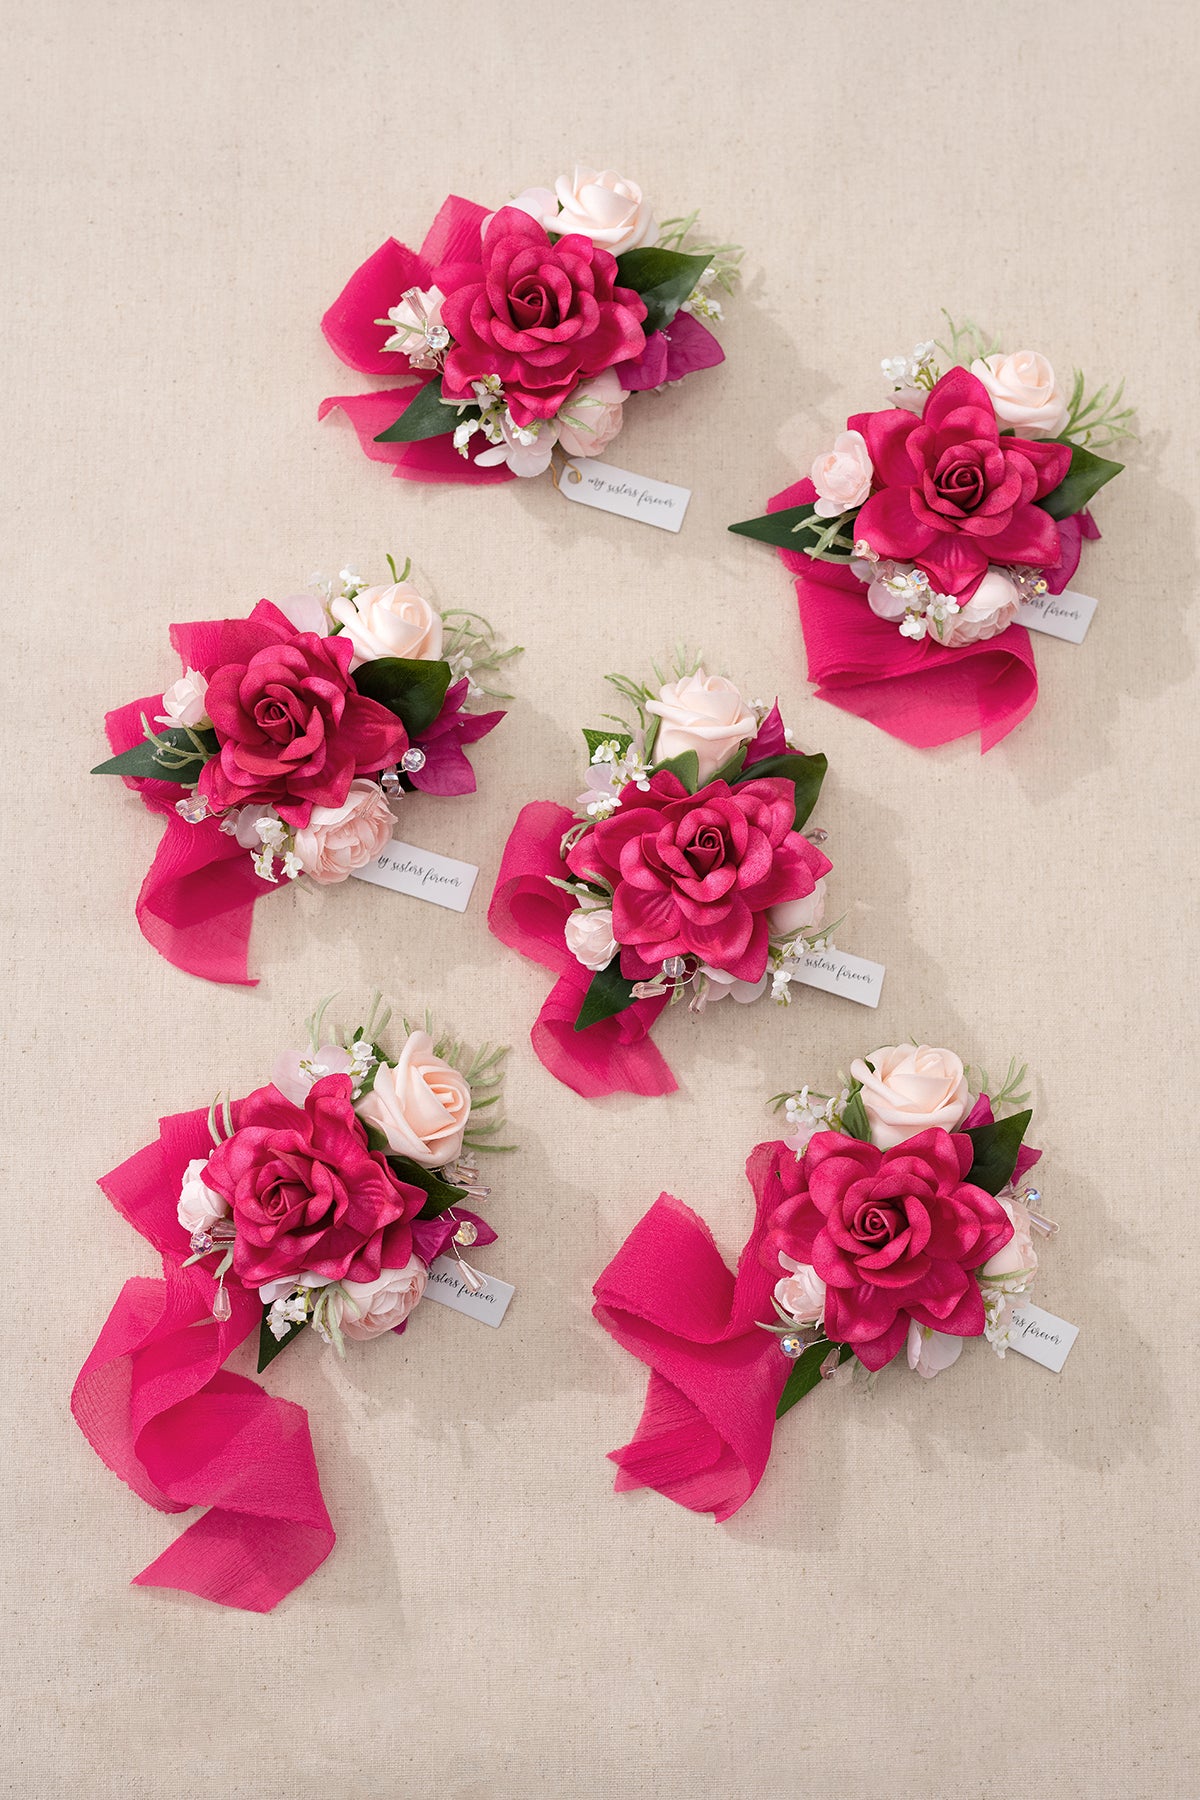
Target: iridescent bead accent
[466, 1234]
[675, 967]
[222, 1306]
[193, 808]
[792, 1346]
[202, 1242]
[437, 337]
[413, 760]
[389, 781]
[817, 835]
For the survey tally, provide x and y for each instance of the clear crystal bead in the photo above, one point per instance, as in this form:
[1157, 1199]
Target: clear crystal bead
[389, 781]
[413, 760]
[202, 1242]
[674, 967]
[792, 1346]
[466, 1233]
[193, 808]
[437, 337]
[222, 1305]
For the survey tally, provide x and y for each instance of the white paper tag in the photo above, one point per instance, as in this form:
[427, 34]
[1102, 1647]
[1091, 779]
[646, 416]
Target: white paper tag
[447, 1287]
[1066, 615]
[423, 874]
[612, 490]
[1041, 1337]
[837, 972]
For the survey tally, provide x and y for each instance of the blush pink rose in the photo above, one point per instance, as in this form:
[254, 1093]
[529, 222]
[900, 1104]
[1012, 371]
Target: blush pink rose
[306, 1193]
[294, 731]
[696, 874]
[842, 476]
[373, 1307]
[184, 701]
[704, 713]
[802, 1293]
[990, 610]
[395, 620]
[896, 1236]
[541, 316]
[601, 205]
[906, 1088]
[929, 1352]
[1024, 391]
[340, 839]
[589, 936]
[422, 1105]
[591, 417]
[952, 494]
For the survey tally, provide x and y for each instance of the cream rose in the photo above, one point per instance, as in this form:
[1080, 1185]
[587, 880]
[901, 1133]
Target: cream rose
[704, 713]
[842, 477]
[390, 621]
[1024, 392]
[1018, 1256]
[421, 1106]
[929, 1352]
[589, 936]
[590, 418]
[184, 701]
[601, 205]
[802, 1293]
[339, 839]
[372, 1307]
[199, 1208]
[908, 1088]
[793, 916]
[990, 610]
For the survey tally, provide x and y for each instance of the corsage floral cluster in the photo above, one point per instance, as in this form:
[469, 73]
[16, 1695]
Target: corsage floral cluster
[892, 1222]
[943, 512]
[286, 742]
[904, 1226]
[525, 328]
[320, 1200]
[684, 871]
[343, 1179]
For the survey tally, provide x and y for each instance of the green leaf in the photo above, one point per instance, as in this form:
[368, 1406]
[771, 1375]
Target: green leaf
[663, 278]
[732, 769]
[686, 766]
[413, 690]
[596, 738]
[855, 1123]
[779, 528]
[608, 993]
[1084, 479]
[425, 416]
[996, 1147]
[144, 763]
[440, 1194]
[805, 772]
[806, 1373]
[269, 1345]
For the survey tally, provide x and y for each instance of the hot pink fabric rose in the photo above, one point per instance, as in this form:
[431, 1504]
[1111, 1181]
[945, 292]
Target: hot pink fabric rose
[294, 730]
[952, 494]
[894, 1235]
[543, 317]
[306, 1192]
[694, 874]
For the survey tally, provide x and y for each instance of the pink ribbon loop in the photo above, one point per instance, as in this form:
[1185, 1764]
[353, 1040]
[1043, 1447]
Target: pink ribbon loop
[704, 1438]
[156, 1405]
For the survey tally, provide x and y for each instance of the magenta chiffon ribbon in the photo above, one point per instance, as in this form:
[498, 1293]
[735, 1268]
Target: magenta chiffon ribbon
[667, 1297]
[919, 692]
[156, 1405]
[351, 330]
[529, 914]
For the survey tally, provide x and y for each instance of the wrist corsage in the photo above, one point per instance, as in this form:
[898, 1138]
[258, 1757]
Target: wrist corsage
[282, 748]
[891, 1225]
[935, 530]
[683, 872]
[322, 1200]
[516, 330]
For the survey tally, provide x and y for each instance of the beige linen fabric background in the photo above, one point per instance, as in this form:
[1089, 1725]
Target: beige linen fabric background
[965, 1589]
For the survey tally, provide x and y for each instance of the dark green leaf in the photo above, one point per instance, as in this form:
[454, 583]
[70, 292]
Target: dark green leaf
[142, 760]
[686, 766]
[805, 772]
[440, 1194]
[855, 1123]
[806, 1373]
[996, 1147]
[1084, 479]
[663, 278]
[596, 738]
[779, 528]
[608, 993]
[269, 1345]
[413, 690]
[425, 416]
